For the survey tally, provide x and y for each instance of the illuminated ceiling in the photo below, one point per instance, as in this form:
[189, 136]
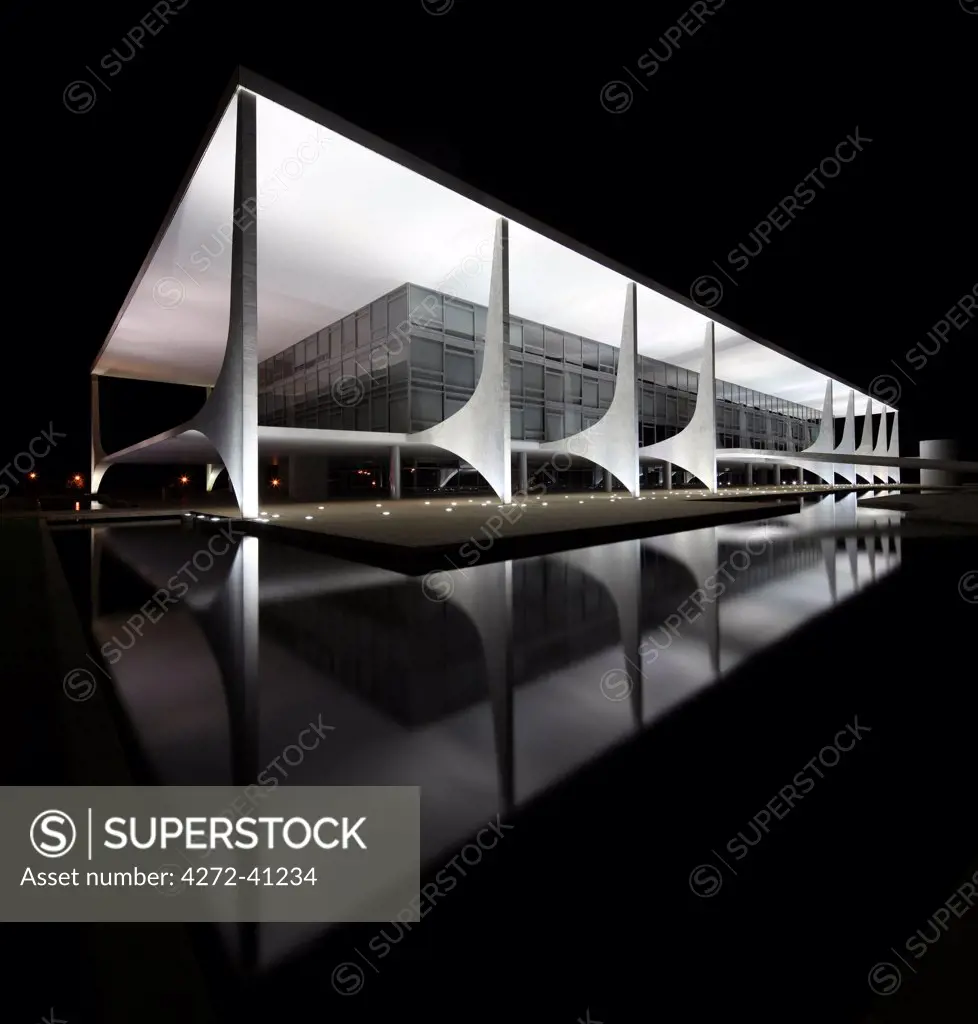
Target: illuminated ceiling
[339, 225]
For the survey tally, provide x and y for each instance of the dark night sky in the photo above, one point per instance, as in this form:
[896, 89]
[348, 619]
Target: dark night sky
[508, 96]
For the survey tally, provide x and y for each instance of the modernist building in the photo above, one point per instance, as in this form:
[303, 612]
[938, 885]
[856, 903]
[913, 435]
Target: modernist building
[312, 347]
[410, 359]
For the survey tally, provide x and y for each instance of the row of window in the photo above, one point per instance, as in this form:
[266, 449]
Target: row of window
[414, 334]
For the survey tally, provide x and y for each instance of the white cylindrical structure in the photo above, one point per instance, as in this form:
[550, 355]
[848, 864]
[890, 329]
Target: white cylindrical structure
[945, 449]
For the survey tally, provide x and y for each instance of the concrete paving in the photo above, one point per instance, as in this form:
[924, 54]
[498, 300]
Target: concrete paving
[413, 535]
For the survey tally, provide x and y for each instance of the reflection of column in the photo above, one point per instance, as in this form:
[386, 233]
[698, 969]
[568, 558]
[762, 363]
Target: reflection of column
[852, 549]
[524, 475]
[828, 556]
[618, 568]
[95, 546]
[486, 597]
[395, 471]
[229, 418]
[698, 550]
[231, 626]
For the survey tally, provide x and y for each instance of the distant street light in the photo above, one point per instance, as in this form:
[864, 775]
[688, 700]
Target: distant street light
[185, 479]
[275, 482]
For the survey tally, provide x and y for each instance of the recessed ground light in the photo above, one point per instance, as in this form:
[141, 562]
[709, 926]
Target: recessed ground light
[379, 505]
[471, 500]
[448, 509]
[321, 507]
[427, 502]
[204, 517]
[580, 503]
[188, 513]
[275, 515]
[523, 505]
[546, 503]
[385, 513]
[308, 517]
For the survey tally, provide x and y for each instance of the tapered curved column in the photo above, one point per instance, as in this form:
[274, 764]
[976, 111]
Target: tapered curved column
[213, 472]
[893, 450]
[866, 443]
[612, 442]
[880, 448]
[847, 446]
[694, 448]
[823, 443]
[479, 433]
[229, 418]
[97, 469]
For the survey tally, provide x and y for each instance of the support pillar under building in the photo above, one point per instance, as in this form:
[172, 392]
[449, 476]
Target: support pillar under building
[229, 418]
[667, 475]
[524, 475]
[750, 474]
[609, 482]
[395, 471]
[777, 474]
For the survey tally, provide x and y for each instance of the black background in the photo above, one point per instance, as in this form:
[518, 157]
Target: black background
[507, 96]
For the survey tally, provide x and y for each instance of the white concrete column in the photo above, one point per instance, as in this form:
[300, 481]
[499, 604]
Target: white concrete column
[609, 482]
[694, 448]
[230, 416]
[612, 442]
[479, 433]
[667, 475]
[524, 475]
[777, 474]
[97, 469]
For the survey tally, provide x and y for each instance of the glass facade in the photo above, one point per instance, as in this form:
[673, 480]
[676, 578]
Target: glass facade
[412, 357]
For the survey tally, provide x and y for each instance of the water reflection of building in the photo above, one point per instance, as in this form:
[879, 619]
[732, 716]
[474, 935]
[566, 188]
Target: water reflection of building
[377, 636]
[483, 699]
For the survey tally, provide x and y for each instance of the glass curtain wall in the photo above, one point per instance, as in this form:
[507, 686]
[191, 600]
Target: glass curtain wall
[412, 357]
